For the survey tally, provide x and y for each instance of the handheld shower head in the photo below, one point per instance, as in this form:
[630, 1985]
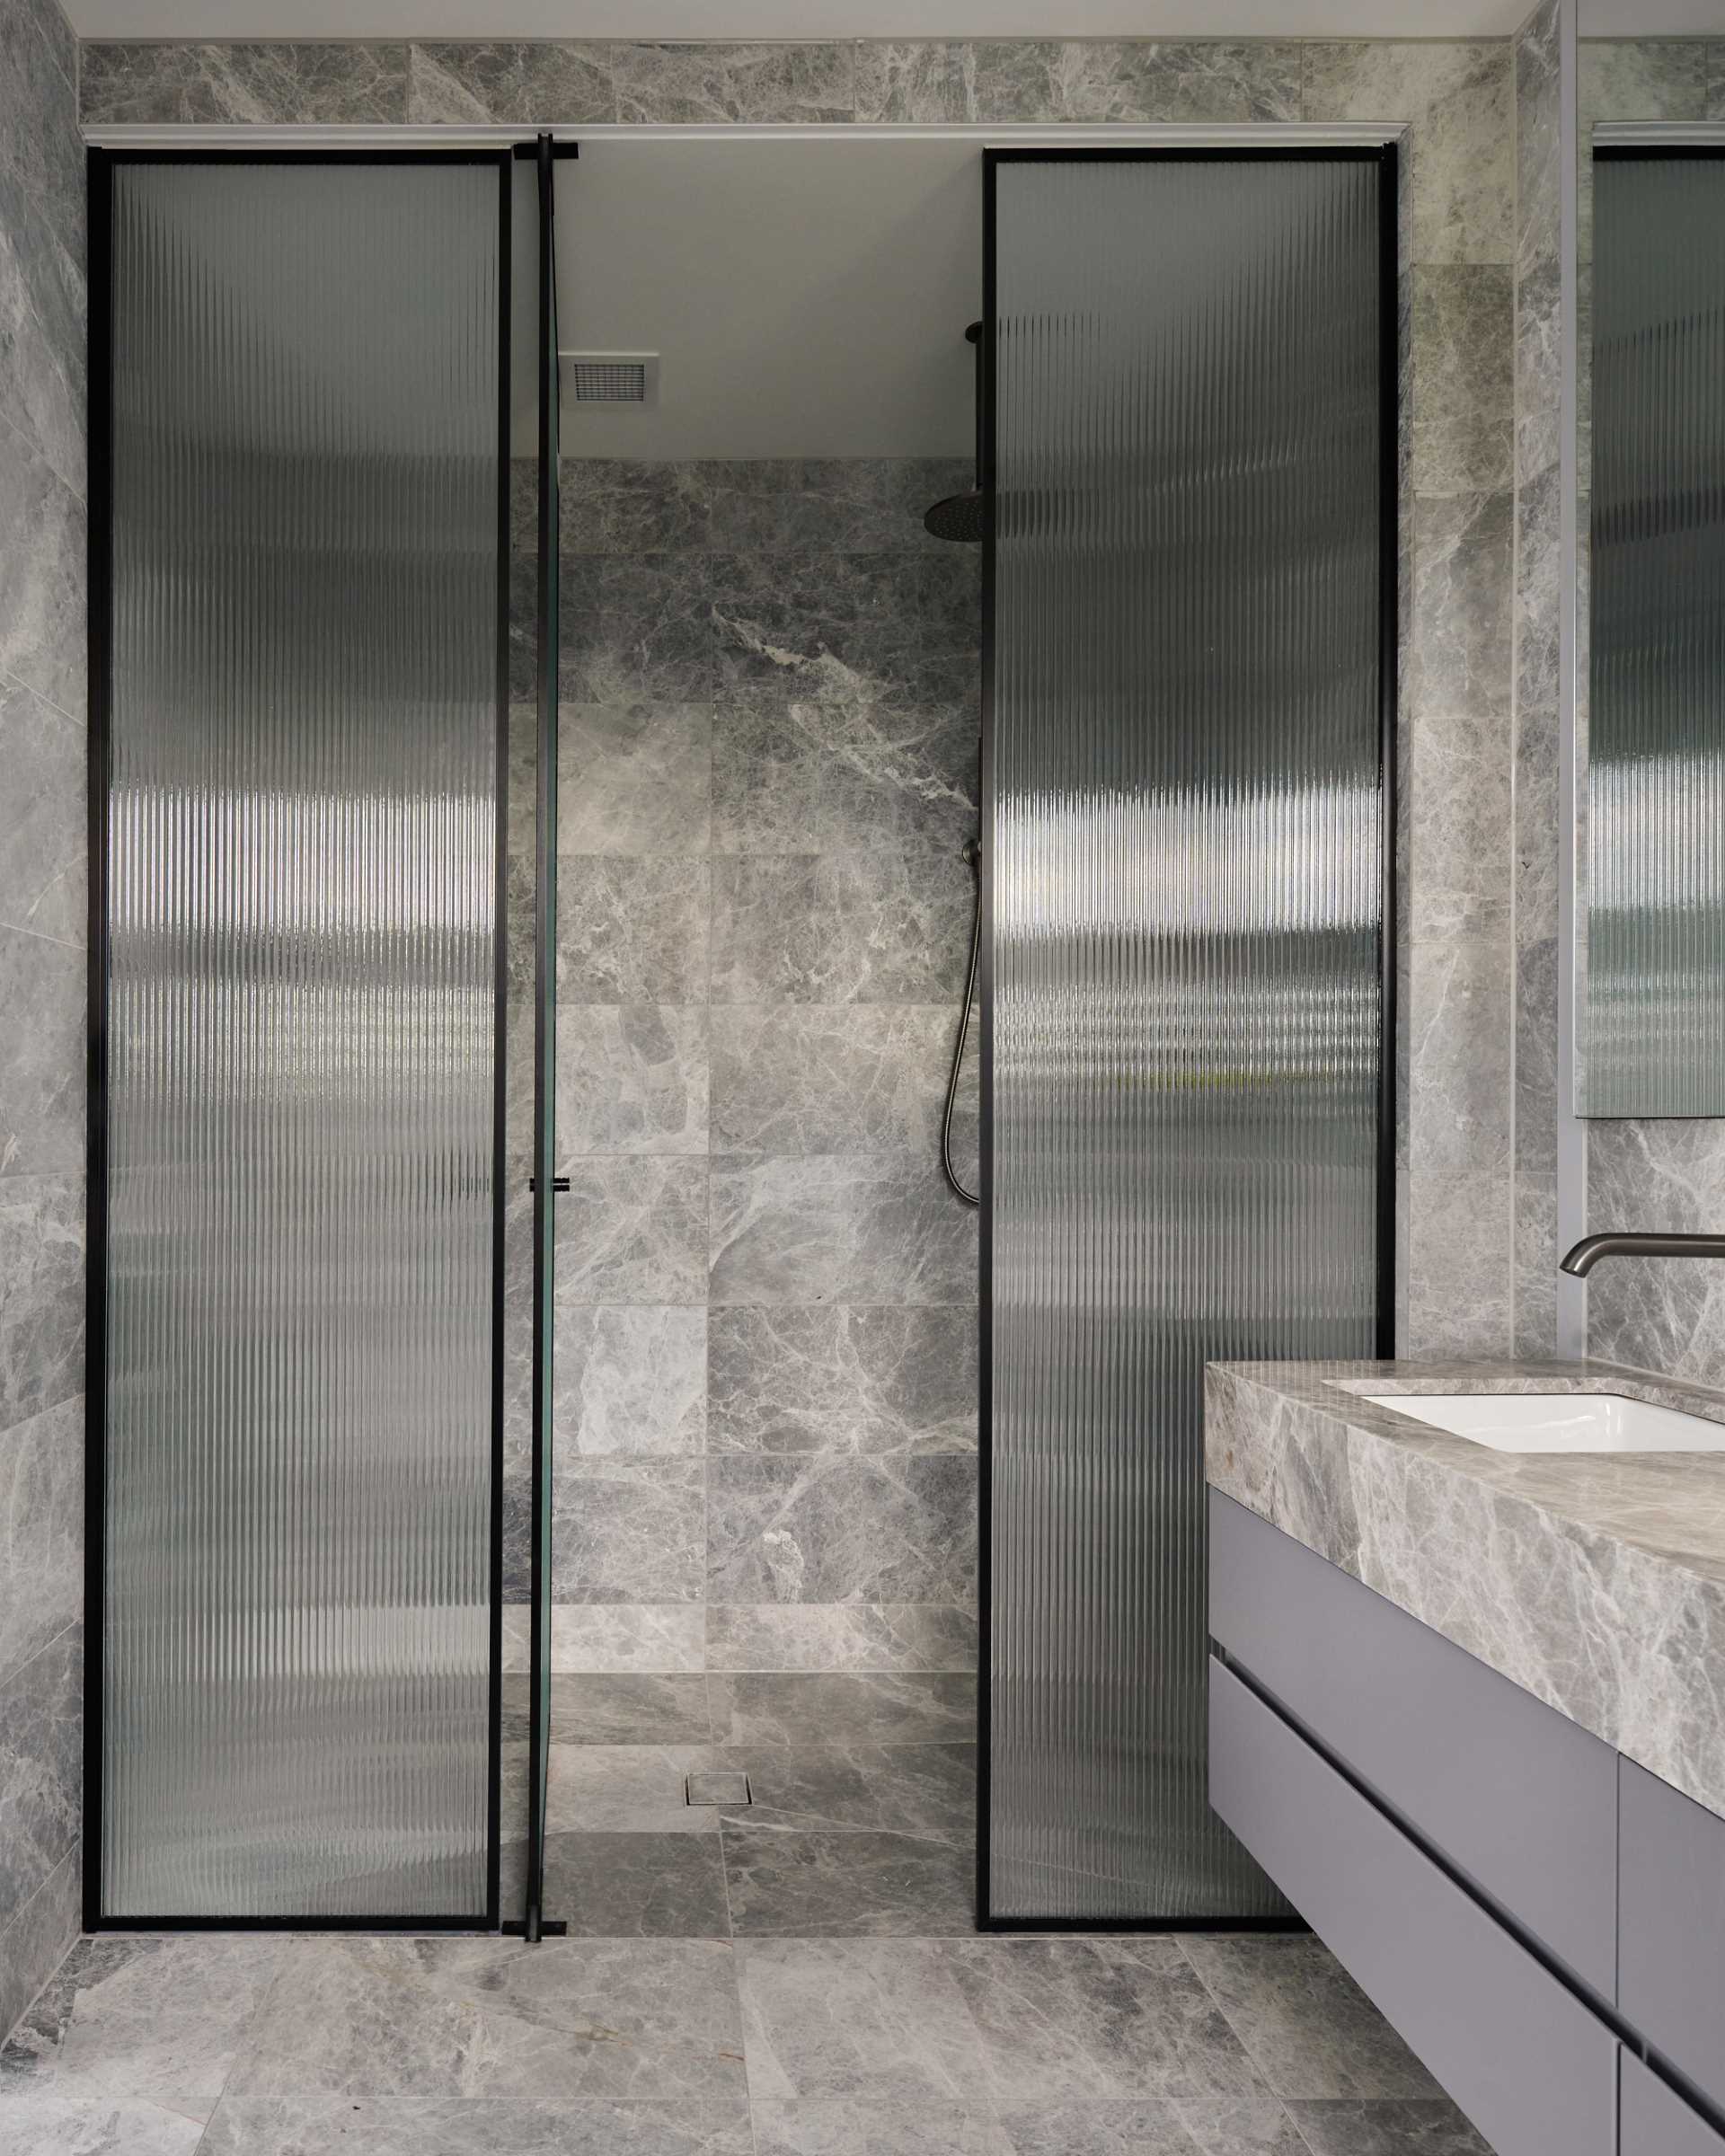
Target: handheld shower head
[968, 518]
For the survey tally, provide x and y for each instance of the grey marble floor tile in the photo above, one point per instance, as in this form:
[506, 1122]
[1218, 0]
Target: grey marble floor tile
[1098, 2018]
[572, 2019]
[900, 1708]
[630, 1078]
[841, 1228]
[635, 625]
[1310, 2030]
[54, 2126]
[525, 80]
[633, 1230]
[630, 1886]
[1458, 94]
[42, 1761]
[821, 1527]
[927, 1791]
[813, 1637]
[44, 844]
[624, 1638]
[634, 777]
[692, 83]
[1433, 2127]
[796, 774]
[880, 2021]
[1464, 359]
[41, 1293]
[628, 1530]
[911, 2126]
[888, 925]
[627, 1789]
[656, 1707]
[41, 1531]
[631, 1380]
[44, 990]
[42, 303]
[145, 2020]
[840, 1379]
[1150, 2126]
[802, 1078]
[43, 548]
[247, 2125]
[336, 81]
[814, 1884]
[632, 930]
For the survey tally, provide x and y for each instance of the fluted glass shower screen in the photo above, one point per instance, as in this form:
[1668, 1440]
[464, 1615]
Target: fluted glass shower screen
[299, 672]
[1190, 607]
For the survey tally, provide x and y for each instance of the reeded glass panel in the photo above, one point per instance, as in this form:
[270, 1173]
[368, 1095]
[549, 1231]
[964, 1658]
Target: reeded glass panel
[302, 1040]
[1654, 1032]
[1185, 1008]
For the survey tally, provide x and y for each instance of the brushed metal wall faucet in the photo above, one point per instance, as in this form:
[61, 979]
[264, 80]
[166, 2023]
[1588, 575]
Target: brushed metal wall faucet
[1620, 1243]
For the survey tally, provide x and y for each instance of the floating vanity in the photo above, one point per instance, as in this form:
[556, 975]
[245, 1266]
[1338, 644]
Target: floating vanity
[1467, 1709]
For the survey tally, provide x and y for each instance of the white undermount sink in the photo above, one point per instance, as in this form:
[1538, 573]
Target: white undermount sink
[1558, 1422]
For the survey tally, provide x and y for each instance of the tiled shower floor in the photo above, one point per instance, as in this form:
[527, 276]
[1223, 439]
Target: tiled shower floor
[799, 1978]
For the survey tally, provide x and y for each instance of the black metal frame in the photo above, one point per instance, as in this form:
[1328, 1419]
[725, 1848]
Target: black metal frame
[1385, 157]
[99, 167]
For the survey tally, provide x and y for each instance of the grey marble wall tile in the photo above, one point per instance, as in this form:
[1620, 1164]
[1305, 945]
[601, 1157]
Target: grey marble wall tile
[39, 147]
[1310, 2029]
[631, 1379]
[512, 80]
[881, 1708]
[42, 306]
[1536, 1035]
[43, 989]
[630, 1078]
[1460, 656]
[1641, 78]
[632, 1231]
[923, 81]
[42, 1533]
[330, 83]
[794, 775]
[1539, 360]
[631, 930]
[627, 1707]
[41, 1758]
[599, 1638]
[1457, 95]
[825, 1528]
[1536, 1256]
[42, 539]
[1461, 1019]
[1460, 1255]
[1538, 70]
[844, 1637]
[35, 1943]
[1458, 779]
[854, 504]
[1660, 1314]
[43, 839]
[891, 925]
[1463, 414]
[628, 1530]
[623, 505]
[1716, 79]
[1137, 79]
[41, 1293]
[836, 623]
[837, 1379]
[841, 1228]
[634, 777]
[796, 1078]
[635, 625]
[682, 84]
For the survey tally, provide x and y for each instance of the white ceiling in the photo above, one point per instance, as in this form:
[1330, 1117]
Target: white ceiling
[805, 298]
[656, 18]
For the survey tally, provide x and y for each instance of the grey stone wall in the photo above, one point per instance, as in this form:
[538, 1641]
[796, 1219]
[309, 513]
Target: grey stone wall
[42, 921]
[765, 1336]
[1657, 1173]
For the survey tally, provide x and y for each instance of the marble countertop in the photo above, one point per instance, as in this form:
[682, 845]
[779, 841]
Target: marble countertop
[1595, 1581]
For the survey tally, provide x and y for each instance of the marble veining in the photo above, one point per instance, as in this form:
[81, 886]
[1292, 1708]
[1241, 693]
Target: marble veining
[1595, 1582]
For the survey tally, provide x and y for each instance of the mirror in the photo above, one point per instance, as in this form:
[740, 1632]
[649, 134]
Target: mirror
[1650, 681]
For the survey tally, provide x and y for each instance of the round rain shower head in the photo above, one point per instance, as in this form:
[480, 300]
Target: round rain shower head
[961, 516]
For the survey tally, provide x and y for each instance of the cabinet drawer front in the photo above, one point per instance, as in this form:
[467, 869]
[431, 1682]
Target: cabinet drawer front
[1527, 2062]
[1656, 2123]
[1671, 1903]
[1521, 1800]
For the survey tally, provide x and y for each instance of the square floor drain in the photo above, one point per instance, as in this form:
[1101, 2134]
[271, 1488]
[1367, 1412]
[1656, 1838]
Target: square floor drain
[716, 1788]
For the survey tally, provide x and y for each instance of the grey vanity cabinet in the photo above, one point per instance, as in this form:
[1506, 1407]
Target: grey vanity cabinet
[1671, 1927]
[1653, 2122]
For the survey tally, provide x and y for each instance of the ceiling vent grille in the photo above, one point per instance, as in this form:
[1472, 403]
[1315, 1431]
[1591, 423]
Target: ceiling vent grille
[610, 377]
